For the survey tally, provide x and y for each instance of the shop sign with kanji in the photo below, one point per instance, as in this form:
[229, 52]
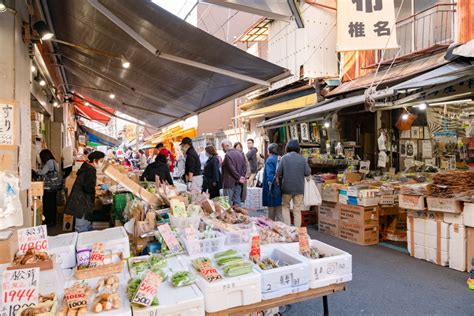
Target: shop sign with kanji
[6, 122]
[366, 25]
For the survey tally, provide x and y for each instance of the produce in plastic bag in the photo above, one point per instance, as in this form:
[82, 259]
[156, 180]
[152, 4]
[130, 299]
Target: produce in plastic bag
[182, 278]
[132, 289]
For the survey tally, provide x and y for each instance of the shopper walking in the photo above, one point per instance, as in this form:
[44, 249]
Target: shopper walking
[212, 173]
[240, 148]
[192, 167]
[80, 203]
[158, 168]
[53, 184]
[252, 158]
[271, 195]
[291, 173]
[233, 173]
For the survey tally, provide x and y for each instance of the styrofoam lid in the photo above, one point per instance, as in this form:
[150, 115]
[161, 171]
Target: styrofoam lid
[106, 235]
[63, 240]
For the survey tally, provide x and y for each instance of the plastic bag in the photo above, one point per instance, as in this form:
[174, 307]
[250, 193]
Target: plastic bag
[311, 193]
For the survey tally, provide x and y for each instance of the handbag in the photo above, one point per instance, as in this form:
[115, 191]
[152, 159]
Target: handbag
[311, 193]
[53, 181]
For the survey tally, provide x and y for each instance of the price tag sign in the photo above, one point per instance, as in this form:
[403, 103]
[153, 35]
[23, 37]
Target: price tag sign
[97, 257]
[255, 248]
[178, 208]
[147, 289]
[170, 239]
[303, 241]
[75, 299]
[19, 289]
[33, 238]
[209, 273]
[191, 237]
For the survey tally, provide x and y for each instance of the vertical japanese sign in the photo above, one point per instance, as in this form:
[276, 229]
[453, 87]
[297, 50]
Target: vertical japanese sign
[19, 289]
[35, 237]
[7, 108]
[365, 25]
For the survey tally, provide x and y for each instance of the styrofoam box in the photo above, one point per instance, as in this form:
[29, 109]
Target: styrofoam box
[293, 278]
[469, 214]
[457, 247]
[429, 227]
[411, 202]
[115, 239]
[230, 291]
[63, 247]
[444, 205]
[181, 301]
[428, 241]
[451, 218]
[335, 267]
[429, 254]
[374, 201]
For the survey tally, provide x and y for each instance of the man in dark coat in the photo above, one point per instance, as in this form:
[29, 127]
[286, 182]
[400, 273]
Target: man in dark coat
[233, 173]
[80, 203]
[158, 168]
[192, 168]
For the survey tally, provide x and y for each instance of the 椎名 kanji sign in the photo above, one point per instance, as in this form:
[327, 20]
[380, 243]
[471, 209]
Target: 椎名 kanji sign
[366, 25]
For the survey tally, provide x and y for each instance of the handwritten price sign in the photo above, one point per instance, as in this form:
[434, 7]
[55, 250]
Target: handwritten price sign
[147, 289]
[303, 241]
[255, 248]
[33, 238]
[19, 289]
[170, 239]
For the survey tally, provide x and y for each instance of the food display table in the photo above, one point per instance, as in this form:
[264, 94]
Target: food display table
[285, 300]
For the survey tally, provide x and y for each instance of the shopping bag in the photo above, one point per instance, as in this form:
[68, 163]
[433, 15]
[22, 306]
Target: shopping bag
[311, 193]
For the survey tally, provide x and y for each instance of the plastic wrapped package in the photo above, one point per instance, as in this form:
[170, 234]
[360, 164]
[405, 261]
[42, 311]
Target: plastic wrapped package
[10, 201]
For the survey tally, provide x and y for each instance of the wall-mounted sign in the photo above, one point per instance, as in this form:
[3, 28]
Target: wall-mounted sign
[365, 25]
[7, 108]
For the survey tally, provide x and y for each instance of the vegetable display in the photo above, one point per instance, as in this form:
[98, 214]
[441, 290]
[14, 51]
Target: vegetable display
[132, 289]
[182, 278]
[153, 263]
[269, 263]
[109, 284]
[106, 302]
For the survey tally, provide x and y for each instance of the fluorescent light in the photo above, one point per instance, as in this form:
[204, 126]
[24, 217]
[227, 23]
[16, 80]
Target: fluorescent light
[451, 102]
[326, 124]
[422, 106]
[112, 96]
[42, 83]
[55, 104]
[33, 68]
[405, 116]
[125, 63]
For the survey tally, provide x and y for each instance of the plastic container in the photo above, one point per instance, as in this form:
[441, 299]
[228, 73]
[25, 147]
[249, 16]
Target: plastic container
[240, 236]
[181, 222]
[115, 239]
[281, 281]
[63, 247]
[335, 267]
[208, 245]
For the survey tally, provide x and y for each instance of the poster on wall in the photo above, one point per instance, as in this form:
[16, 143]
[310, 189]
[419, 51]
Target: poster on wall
[7, 108]
[415, 132]
[405, 134]
[294, 132]
[427, 149]
[304, 132]
[411, 148]
[403, 148]
[365, 25]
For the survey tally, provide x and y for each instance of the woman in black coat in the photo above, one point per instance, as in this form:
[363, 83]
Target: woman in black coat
[212, 173]
[80, 203]
[158, 168]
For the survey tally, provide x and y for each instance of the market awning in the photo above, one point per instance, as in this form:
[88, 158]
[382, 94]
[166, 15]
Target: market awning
[99, 138]
[292, 104]
[154, 90]
[396, 73]
[94, 111]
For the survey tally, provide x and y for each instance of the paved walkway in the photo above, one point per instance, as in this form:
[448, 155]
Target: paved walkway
[388, 282]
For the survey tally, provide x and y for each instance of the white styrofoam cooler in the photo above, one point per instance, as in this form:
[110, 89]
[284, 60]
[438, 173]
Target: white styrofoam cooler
[335, 268]
[181, 301]
[63, 247]
[230, 291]
[429, 254]
[469, 214]
[285, 280]
[457, 247]
[115, 239]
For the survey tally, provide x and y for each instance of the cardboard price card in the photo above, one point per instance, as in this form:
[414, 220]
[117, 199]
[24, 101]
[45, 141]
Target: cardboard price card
[303, 241]
[191, 237]
[97, 256]
[170, 239]
[19, 289]
[209, 272]
[147, 289]
[33, 238]
[178, 208]
[255, 248]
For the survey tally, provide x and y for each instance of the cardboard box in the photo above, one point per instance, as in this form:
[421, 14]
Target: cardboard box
[9, 247]
[457, 247]
[359, 215]
[387, 199]
[9, 158]
[397, 228]
[425, 215]
[469, 248]
[330, 193]
[429, 241]
[359, 234]
[329, 226]
[329, 210]
[37, 189]
[444, 205]
[388, 210]
[412, 202]
[451, 218]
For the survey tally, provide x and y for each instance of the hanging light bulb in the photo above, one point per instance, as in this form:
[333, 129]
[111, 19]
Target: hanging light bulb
[112, 96]
[125, 63]
[3, 6]
[326, 124]
[87, 104]
[43, 30]
[405, 116]
[42, 83]
[33, 68]
[422, 106]
[55, 103]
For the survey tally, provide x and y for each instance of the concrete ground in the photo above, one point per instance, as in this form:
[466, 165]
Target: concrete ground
[389, 282]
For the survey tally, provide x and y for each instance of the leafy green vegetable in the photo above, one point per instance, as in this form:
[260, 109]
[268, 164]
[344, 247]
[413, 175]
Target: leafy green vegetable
[182, 278]
[227, 253]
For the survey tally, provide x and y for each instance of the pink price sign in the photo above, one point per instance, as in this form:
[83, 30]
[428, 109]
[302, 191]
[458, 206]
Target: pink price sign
[33, 238]
[147, 289]
[170, 239]
[19, 289]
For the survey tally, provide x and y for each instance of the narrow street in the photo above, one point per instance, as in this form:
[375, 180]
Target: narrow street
[389, 282]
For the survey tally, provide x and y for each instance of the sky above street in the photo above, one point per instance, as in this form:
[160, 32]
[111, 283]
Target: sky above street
[179, 8]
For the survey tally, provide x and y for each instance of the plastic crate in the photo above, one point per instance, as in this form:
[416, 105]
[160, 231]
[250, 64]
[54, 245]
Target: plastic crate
[307, 218]
[119, 203]
[208, 245]
[240, 236]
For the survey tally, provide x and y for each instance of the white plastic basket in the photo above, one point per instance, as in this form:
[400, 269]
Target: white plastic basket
[240, 236]
[183, 222]
[208, 245]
